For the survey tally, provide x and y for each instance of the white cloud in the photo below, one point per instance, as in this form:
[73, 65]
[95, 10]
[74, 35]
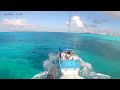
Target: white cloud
[15, 22]
[18, 23]
[75, 21]
[113, 13]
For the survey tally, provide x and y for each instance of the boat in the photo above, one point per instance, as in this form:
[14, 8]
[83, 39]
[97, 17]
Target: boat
[69, 65]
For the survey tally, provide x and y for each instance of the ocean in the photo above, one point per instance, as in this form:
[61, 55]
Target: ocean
[22, 53]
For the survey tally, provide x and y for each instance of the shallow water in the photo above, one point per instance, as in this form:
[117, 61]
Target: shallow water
[22, 53]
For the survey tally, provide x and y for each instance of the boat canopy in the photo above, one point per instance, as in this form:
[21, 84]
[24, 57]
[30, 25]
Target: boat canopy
[66, 49]
[69, 64]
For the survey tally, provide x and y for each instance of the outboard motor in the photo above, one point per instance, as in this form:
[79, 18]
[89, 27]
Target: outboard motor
[52, 73]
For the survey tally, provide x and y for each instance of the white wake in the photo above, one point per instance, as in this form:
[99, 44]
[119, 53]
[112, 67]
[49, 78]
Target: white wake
[86, 70]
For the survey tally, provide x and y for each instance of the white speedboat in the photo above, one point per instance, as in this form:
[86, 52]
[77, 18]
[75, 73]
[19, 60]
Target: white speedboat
[69, 65]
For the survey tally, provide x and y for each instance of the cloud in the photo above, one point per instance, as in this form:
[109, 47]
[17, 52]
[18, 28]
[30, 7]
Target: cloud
[76, 22]
[18, 23]
[79, 26]
[113, 13]
[97, 21]
[15, 22]
[93, 25]
[90, 25]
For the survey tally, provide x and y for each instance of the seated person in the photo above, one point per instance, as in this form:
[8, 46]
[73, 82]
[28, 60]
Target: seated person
[63, 54]
[68, 55]
[71, 57]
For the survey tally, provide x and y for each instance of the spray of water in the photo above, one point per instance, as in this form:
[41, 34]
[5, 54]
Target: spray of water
[52, 61]
[86, 70]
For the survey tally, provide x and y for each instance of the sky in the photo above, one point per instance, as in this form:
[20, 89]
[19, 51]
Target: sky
[58, 21]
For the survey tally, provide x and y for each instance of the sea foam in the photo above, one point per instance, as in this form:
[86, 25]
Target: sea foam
[86, 70]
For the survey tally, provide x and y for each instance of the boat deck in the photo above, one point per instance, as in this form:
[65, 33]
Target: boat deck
[72, 77]
[70, 74]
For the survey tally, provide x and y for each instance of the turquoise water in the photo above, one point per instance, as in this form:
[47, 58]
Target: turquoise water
[22, 53]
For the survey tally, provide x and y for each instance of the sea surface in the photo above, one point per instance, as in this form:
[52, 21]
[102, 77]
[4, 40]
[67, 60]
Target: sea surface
[22, 53]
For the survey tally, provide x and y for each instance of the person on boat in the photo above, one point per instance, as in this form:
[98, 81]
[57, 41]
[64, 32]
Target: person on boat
[68, 55]
[69, 52]
[60, 55]
[63, 56]
[71, 57]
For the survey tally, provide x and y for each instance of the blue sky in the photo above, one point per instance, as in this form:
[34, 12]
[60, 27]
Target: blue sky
[56, 21]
